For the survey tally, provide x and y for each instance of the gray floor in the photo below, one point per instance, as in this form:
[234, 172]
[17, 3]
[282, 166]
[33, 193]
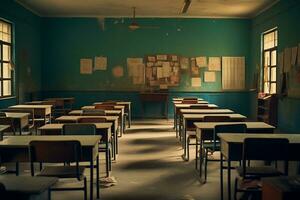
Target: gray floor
[149, 166]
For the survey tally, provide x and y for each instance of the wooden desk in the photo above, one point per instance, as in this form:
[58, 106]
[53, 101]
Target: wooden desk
[63, 101]
[119, 107]
[106, 112]
[127, 105]
[15, 149]
[181, 98]
[27, 187]
[41, 110]
[20, 120]
[205, 131]
[155, 97]
[231, 150]
[189, 119]
[199, 102]
[281, 188]
[178, 107]
[198, 111]
[2, 129]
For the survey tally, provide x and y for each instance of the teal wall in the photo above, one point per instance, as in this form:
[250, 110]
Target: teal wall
[286, 16]
[66, 40]
[27, 38]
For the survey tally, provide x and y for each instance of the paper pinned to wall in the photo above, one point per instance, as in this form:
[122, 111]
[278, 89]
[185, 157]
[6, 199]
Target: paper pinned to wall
[163, 86]
[100, 63]
[138, 74]
[214, 64]
[184, 63]
[166, 69]
[86, 66]
[162, 57]
[196, 82]
[287, 59]
[209, 77]
[159, 72]
[233, 73]
[149, 73]
[294, 55]
[201, 61]
[133, 65]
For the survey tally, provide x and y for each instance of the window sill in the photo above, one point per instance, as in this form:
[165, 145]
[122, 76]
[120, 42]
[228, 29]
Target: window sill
[6, 98]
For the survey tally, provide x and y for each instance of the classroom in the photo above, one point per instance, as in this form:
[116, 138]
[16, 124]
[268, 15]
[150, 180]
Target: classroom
[160, 100]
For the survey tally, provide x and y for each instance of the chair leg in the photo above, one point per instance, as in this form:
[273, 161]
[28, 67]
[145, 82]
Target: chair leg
[85, 189]
[17, 168]
[188, 149]
[98, 177]
[196, 161]
[107, 162]
[235, 189]
[205, 165]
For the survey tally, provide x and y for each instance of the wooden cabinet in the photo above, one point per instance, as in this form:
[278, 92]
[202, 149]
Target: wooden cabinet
[267, 109]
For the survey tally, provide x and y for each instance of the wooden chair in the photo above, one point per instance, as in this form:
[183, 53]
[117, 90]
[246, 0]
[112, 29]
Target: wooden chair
[215, 145]
[191, 131]
[192, 101]
[105, 143]
[199, 106]
[104, 107]
[58, 152]
[96, 112]
[264, 149]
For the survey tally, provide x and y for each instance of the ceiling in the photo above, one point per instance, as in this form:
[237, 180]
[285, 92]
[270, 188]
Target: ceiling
[147, 8]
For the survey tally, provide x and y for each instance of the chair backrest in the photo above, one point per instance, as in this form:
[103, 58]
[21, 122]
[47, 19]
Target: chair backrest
[2, 191]
[79, 129]
[192, 101]
[8, 121]
[104, 107]
[266, 149]
[190, 98]
[227, 128]
[91, 120]
[216, 118]
[96, 112]
[109, 103]
[199, 106]
[55, 152]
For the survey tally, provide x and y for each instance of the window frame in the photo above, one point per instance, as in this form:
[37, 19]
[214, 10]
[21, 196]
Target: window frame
[270, 66]
[10, 62]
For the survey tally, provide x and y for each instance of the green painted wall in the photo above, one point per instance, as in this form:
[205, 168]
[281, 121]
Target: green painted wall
[66, 40]
[27, 38]
[286, 16]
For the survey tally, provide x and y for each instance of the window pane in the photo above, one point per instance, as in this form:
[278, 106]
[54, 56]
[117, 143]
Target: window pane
[266, 87]
[6, 52]
[267, 58]
[276, 38]
[273, 88]
[6, 70]
[6, 87]
[0, 26]
[5, 37]
[5, 28]
[274, 58]
[273, 74]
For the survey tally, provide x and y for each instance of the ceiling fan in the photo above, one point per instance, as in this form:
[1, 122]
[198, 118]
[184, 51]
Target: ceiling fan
[134, 25]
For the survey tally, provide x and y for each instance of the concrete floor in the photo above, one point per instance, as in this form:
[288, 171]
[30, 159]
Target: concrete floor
[149, 166]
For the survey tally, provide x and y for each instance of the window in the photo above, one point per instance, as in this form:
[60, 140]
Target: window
[269, 55]
[6, 73]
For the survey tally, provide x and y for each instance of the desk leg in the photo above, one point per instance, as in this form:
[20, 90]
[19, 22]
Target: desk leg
[229, 179]
[91, 176]
[184, 142]
[167, 109]
[98, 177]
[174, 118]
[221, 177]
[129, 117]
[20, 127]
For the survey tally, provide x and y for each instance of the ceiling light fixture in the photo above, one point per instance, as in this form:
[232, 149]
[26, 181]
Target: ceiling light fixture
[185, 6]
